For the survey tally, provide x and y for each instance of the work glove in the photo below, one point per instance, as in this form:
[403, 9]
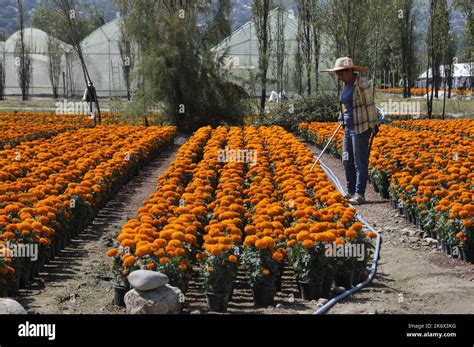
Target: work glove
[340, 118]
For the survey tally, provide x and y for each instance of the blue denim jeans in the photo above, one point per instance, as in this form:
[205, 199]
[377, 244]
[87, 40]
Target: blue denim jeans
[355, 157]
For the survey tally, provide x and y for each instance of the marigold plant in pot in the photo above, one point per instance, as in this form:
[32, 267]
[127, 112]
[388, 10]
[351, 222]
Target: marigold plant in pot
[308, 262]
[218, 272]
[466, 241]
[262, 268]
[122, 264]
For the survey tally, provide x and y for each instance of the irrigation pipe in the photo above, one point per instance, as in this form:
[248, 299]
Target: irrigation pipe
[373, 267]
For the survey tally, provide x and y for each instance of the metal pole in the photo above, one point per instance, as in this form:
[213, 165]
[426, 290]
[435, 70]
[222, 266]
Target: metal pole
[327, 144]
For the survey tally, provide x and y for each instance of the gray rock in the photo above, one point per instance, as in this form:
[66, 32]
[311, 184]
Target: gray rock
[163, 300]
[322, 301]
[144, 280]
[408, 232]
[339, 290]
[430, 241]
[10, 306]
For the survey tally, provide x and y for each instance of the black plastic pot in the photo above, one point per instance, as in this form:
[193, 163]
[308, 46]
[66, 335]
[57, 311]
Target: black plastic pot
[468, 255]
[217, 302]
[119, 294]
[345, 277]
[310, 290]
[327, 283]
[263, 296]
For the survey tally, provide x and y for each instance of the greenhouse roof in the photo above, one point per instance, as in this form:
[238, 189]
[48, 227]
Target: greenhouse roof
[35, 39]
[291, 29]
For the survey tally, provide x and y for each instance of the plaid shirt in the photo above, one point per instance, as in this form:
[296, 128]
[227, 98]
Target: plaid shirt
[364, 112]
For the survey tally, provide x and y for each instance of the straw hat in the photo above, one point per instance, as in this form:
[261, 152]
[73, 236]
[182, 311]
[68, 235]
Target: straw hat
[345, 63]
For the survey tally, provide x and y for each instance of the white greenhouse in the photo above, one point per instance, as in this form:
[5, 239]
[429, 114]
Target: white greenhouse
[242, 54]
[36, 42]
[101, 52]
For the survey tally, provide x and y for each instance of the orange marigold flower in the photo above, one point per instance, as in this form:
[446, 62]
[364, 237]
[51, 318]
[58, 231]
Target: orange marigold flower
[277, 256]
[129, 260]
[371, 234]
[164, 260]
[232, 258]
[261, 244]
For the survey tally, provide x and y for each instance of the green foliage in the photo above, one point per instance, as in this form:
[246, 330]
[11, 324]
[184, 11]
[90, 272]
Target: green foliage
[51, 21]
[308, 264]
[288, 114]
[177, 276]
[261, 268]
[176, 68]
[218, 273]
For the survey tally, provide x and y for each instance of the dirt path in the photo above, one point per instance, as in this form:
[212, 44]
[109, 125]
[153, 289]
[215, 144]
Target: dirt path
[413, 275]
[78, 281]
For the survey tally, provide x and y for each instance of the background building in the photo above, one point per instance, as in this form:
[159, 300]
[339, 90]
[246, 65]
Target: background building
[101, 52]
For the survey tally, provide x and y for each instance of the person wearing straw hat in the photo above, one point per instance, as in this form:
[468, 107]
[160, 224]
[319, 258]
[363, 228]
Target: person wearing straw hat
[359, 118]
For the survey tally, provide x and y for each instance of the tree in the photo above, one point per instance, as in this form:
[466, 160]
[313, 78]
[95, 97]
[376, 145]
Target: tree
[406, 23]
[55, 52]
[438, 41]
[448, 50]
[379, 17]
[127, 52]
[47, 19]
[305, 18]
[2, 76]
[317, 24]
[52, 21]
[279, 47]
[175, 68]
[260, 14]
[23, 57]
[68, 16]
[352, 16]
[346, 24]
[220, 26]
[298, 69]
[467, 54]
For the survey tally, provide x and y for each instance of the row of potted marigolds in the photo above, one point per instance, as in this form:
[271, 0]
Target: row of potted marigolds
[426, 167]
[262, 216]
